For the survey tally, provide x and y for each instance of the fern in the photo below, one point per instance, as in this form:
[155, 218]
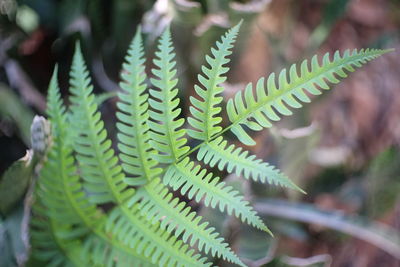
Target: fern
[95, 206]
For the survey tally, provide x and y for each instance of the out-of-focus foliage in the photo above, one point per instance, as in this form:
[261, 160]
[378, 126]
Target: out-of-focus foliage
[383, 170]
[14, 183]
[13, 247]
[13, 111]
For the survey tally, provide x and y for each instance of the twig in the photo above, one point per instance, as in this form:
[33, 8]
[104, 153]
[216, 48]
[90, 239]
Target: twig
[380, 235]
[101, 76]
[292, 261]
[19, 80]
[268, 258]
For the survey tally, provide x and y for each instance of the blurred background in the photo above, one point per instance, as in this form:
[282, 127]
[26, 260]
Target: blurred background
[342, 149]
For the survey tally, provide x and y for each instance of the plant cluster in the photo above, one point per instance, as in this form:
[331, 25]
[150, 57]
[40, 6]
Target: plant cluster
[96, 207]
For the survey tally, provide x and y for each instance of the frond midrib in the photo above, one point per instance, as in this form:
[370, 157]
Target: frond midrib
[239, 158]
[143, 154]
[167, 109]
[210, 91]
[137, 117]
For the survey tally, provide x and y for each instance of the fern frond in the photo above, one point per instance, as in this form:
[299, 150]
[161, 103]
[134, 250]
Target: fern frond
[236, 160]
[60, 189]
[150, 240]
[137, 155]
[197, 184]
[205, 112]
[167, 137]
[103, 176]
[89, 145]
[157, 204]
[257, 112]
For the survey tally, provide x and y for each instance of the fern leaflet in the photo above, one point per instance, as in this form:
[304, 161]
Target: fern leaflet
[258, 112]
[233, 159]
[47, 246]
[205, 113]
[169, 141]
[134, 139]
[99, 165]
[198, 183]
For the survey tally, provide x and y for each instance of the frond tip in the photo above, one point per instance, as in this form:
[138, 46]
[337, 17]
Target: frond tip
[133, 128]
[205, 111]
[268, 105]
[166, 134]
[99, 165]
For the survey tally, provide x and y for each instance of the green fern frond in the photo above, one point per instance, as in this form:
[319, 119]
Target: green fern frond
[99, 165]
[59, 183]
[167, 137]
[150, 240]
[61, 192]
[257, 112]
[197, 184]
[205, 112]
[154, 197]
[137, 155]
[156, 203]
[109, 171]
[236, 160]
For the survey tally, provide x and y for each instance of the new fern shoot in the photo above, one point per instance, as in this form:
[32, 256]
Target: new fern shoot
[144, 224]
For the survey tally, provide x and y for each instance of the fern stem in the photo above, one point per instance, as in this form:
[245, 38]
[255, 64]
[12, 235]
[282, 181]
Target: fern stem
[202, 143]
